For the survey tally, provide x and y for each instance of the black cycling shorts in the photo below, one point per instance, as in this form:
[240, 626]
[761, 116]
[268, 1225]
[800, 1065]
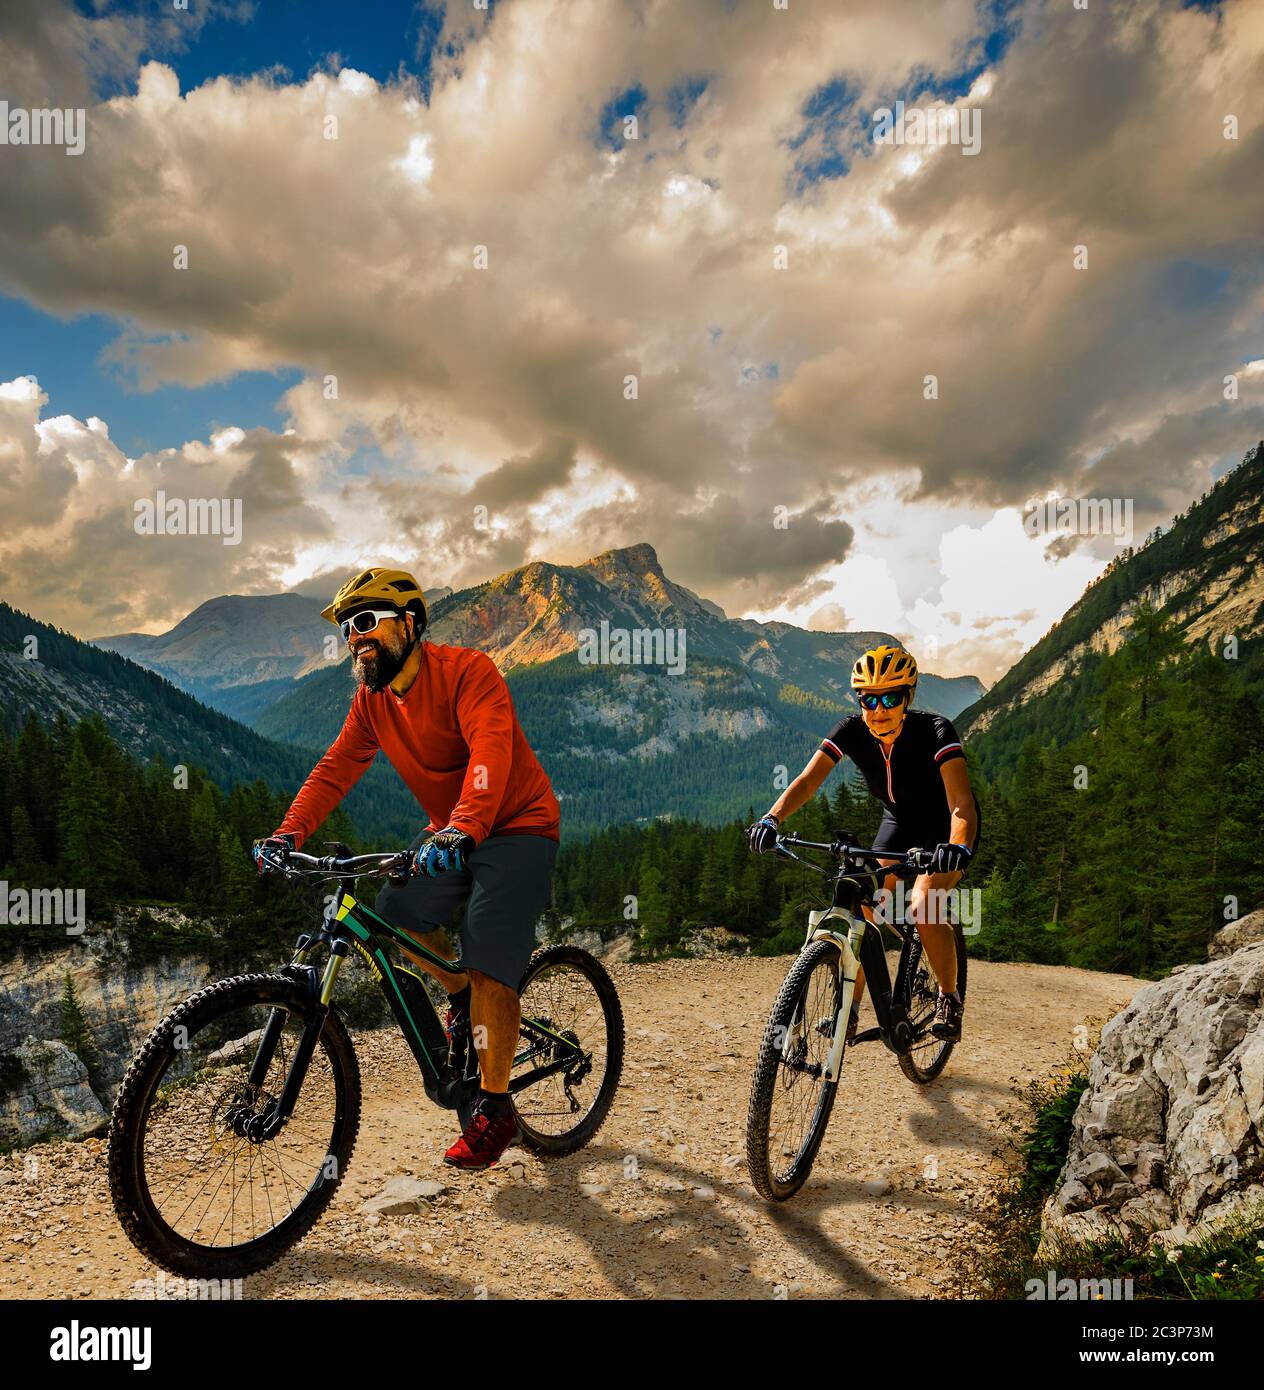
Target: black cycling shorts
[504, 886]
[897, 836]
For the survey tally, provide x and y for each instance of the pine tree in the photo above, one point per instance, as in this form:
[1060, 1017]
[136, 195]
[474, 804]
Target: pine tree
[653, 934]
[74, 1030]
[90, 848]
[8, 797]
[236, 877]
[26, 860]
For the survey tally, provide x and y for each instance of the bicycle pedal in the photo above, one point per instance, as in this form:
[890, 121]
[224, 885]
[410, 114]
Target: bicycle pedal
[869, 1035]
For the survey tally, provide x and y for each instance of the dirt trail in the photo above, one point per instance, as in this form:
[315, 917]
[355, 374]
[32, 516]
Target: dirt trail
[659, 1204]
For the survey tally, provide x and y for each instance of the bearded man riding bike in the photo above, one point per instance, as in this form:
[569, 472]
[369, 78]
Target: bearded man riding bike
[444, 718]
[913, 763]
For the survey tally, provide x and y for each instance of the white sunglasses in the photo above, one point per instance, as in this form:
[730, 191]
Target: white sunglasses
[366, 621]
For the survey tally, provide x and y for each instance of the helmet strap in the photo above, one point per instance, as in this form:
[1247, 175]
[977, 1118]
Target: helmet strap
[418, 629]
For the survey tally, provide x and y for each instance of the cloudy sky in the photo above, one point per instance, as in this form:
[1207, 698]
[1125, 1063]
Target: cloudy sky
[339, 355]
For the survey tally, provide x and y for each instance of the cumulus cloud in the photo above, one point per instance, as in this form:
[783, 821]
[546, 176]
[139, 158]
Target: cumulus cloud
[631, 357]
[73, 553]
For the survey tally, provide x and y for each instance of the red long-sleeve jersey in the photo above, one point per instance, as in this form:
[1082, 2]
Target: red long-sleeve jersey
[455, 740]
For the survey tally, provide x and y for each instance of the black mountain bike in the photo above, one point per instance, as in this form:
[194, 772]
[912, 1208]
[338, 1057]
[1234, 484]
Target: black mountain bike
[237, 1118]
[801, 1054]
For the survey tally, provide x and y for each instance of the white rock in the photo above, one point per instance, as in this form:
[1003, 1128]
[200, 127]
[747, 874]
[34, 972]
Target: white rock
[1164, 1137]
[403, 1196]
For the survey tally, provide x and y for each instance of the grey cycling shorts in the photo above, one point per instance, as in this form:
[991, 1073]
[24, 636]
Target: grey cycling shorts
[505, 885]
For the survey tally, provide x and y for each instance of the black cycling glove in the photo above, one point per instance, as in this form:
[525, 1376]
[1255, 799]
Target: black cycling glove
[950, 859]
[763, 834]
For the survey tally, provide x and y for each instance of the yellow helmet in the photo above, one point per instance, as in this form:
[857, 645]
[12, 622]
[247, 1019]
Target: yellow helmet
[394, 587]
[884, 668]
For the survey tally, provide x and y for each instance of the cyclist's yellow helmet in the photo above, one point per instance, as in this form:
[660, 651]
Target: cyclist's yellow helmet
[394, 587]
[884, 668]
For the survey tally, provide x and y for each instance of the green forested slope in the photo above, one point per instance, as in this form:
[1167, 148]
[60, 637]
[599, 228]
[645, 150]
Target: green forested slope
[1194, 550]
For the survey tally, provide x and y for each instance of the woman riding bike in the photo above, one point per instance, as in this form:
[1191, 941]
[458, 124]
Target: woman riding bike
[913, 763]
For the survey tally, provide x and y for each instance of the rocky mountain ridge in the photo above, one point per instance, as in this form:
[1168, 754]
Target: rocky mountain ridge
[1206, 573]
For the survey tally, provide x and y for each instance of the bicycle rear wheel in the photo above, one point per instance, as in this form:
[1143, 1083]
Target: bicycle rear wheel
[572, 1044]
[791, 1100]
[193, 1190]
[929, 1054]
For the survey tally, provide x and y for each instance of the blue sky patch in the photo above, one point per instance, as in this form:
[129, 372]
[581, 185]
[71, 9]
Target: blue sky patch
[632, 102]
[64, 358]
[378, 38]
[682, 98]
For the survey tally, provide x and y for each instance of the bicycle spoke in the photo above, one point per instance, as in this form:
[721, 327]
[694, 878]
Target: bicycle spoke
[801, 1069]
[563, 1002]
[226, 1189]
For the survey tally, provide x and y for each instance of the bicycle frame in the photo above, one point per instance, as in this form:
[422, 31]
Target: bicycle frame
[352, 925]
[860, 944]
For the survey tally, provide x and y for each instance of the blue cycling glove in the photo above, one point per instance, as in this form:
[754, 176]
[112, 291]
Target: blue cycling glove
[445, 850]
[265, 852]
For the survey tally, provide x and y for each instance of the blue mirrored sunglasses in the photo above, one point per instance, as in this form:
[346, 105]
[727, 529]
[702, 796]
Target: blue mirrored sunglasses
[889, 699]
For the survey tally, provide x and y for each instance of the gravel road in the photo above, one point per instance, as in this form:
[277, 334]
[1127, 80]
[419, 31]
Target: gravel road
[659, 1205]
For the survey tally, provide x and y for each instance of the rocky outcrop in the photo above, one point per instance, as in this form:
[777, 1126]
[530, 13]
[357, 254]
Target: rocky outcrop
[121, 1001]
[49, 1095]
[1169, 1135]
[1244, 932]
[697, 943]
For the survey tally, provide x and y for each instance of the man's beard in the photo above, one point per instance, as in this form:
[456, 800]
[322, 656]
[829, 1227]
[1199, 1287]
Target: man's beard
[376, 667]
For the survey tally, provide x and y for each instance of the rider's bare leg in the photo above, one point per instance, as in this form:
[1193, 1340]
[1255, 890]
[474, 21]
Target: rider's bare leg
[495, 1014]
[454, 981]
[928, 904]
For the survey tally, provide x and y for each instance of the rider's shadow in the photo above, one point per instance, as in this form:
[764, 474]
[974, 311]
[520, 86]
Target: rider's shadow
[693, 1228]
[944, 1125]
[421, 1277]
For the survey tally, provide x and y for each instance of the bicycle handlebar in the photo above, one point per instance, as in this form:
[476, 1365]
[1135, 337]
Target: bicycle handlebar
[912, 860]
[294, 863]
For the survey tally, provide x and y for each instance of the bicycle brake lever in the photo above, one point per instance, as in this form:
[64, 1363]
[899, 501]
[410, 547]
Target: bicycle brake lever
[398, 872]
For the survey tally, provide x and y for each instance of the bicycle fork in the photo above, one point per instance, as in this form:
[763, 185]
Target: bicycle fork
[848, 946]
[861, 944]
[268, 1123]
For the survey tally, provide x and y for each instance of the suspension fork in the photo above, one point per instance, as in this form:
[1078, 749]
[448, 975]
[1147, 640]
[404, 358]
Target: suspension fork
[303, 1053]
[848, 947]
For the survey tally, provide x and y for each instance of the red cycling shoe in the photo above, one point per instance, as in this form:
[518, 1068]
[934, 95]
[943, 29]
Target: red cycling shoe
[486, 1137]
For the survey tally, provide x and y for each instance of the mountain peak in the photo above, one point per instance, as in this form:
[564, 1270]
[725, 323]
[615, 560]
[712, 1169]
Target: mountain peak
[641, 558]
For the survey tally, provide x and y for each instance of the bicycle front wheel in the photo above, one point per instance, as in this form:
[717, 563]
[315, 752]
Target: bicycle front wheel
[791, 1099]
[195, 1185]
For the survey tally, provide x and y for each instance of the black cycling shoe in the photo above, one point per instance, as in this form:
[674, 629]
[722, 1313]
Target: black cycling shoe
[947, 1024]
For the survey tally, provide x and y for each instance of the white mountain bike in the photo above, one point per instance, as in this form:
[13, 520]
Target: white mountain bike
[801, 1055]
